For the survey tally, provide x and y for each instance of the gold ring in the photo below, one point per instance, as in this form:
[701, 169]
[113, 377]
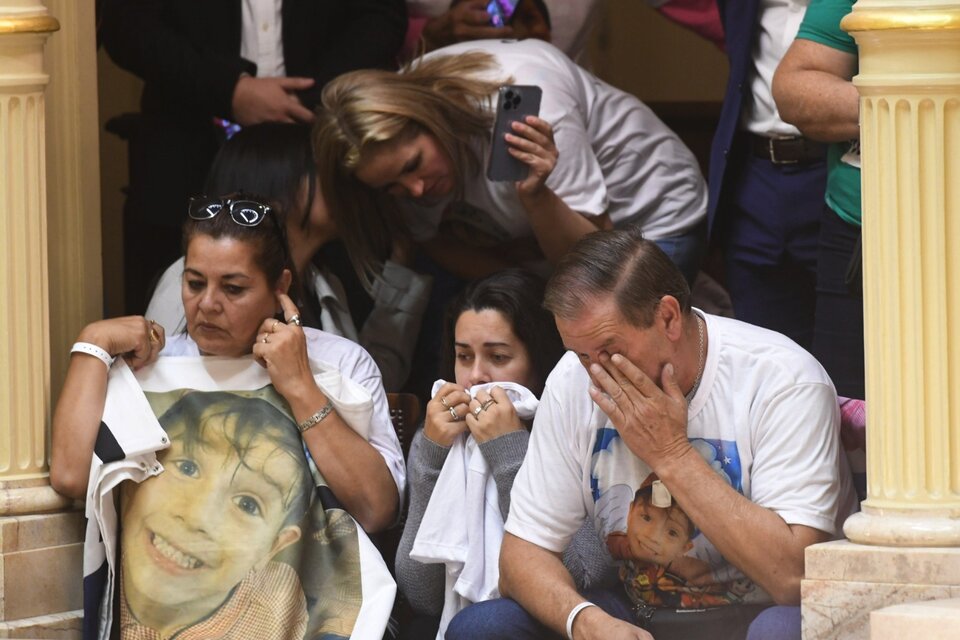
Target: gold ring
[265, 338]
[454, 415]
[487, 403]
[154, 334]
[443, 401]
[273, 327]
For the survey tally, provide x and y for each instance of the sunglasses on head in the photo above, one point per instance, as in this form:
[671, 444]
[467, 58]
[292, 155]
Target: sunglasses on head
[243, 210]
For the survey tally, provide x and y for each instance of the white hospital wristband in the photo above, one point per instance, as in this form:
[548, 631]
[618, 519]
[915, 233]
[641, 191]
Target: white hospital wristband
[93, 350]
[573, 616]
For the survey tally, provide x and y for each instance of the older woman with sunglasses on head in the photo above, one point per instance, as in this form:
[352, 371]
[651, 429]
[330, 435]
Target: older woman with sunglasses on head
[275, 161]
[235, 290]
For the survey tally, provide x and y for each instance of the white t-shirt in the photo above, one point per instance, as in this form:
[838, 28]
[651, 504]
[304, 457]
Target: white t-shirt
[352, 362]
[765, 417]
[616, 156]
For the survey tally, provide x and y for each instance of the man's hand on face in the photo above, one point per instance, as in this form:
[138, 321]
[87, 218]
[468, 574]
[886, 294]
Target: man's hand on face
[651, 419]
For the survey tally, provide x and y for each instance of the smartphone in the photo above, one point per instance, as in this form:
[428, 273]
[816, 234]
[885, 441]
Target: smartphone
[515, 102]
[501, 11]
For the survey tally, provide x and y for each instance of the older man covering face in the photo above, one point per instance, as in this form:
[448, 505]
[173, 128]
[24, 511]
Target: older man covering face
[725, 426]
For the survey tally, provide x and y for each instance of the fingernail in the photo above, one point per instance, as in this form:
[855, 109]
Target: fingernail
[668, 369]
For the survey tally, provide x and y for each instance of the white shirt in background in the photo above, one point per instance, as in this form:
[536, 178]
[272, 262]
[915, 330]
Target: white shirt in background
[261, 39]
[779, 22]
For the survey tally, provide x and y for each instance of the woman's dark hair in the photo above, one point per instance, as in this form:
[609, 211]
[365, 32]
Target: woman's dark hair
[268, 239]
[273, 160]
[518, 296]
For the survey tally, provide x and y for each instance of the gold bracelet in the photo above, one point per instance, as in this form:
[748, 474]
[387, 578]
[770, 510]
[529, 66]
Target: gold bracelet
[315, 419]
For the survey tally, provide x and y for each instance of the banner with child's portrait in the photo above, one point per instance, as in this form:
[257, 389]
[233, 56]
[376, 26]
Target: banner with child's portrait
[238, 535]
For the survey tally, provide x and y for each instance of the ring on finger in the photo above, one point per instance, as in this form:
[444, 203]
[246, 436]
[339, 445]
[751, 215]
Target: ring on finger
[294, 320]
[273, 327]
[443, 401]
[454, 414]
[154, 334]
[487, 403]
[264, 341]
[476, 412]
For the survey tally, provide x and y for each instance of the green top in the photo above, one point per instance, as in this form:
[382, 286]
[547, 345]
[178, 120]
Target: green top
[821, 24]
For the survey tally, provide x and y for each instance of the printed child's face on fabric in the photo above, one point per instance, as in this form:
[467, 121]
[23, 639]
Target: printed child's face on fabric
[665, 560]
[230, 521]
[657, 535]
[217, 512]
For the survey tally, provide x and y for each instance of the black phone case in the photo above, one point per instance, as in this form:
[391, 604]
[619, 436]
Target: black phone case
[514, 103]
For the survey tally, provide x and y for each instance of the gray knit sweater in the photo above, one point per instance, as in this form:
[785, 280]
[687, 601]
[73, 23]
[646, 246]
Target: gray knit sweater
[586, 558]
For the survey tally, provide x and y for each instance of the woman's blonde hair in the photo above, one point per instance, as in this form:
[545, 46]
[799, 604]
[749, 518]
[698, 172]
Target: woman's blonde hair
[363, 111]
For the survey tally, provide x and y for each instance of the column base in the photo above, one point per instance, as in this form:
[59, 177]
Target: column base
[845, 581]
[41, 573]
[899, 528]
[936, 620]
[58, 626]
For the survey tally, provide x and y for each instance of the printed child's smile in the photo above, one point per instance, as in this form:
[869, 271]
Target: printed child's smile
[169, 552]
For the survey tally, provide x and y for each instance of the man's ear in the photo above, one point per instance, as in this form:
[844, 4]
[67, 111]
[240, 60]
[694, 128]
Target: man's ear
[670, 317]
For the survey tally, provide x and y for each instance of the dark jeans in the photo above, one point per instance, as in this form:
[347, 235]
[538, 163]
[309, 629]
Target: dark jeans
[504, 619]
[771, 223]
[838, 331]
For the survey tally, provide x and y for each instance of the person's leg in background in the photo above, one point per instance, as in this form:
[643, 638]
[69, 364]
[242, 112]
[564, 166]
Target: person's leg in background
[838, 335]
[770, 238]
[776, 623]
[505, 619]
[686, 250]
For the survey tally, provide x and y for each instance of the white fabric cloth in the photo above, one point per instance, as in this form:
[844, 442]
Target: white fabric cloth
[616, 156]
[138, 436]
[571, 21]
[333, 353]
[462, 526]
[400, 297]
[130, 422]
[779, 21]
[261, 36]
[765, 417]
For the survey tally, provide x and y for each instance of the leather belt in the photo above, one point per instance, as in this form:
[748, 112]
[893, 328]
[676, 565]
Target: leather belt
[787, 150]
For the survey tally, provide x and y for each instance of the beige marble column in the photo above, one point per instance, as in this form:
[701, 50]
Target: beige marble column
[40, 531]
[909, 82]
[904, 544]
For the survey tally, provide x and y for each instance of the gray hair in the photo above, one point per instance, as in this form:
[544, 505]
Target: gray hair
[618, 263]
